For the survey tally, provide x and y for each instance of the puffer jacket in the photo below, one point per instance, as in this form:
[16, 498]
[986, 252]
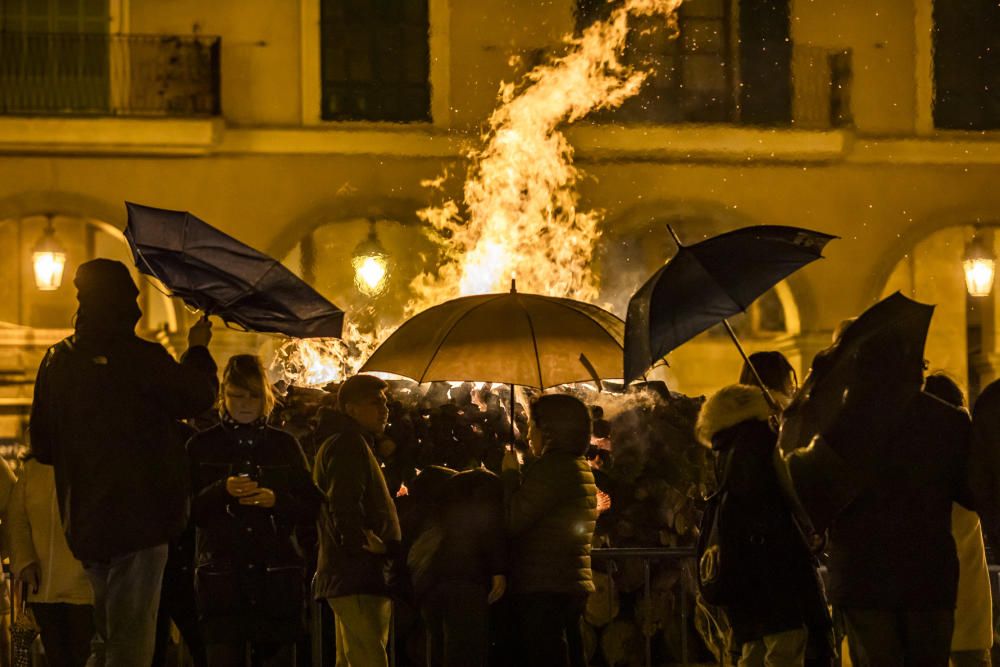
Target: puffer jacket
[779, 587]
[34, 533]
[550, 515]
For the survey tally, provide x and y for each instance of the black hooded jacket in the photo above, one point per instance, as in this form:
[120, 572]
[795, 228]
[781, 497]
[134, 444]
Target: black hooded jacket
[105, 415]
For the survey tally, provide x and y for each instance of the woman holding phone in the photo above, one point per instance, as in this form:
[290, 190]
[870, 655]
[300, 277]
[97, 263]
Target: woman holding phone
[251, 487]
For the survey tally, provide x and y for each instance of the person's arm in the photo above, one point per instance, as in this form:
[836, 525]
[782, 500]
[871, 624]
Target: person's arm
[20, 547]
[300, 501]
[42, 422]
[528, 497]
[7, 481]
[189, 387]
[495, 545]
[342, 477]
[210, 502]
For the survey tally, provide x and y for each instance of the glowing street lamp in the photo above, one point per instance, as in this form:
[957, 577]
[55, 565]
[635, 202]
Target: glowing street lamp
[980, 268]
[371, 265]
[49, 260]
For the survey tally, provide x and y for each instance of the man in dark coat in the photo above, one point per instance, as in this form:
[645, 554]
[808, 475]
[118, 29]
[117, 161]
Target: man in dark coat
[892, 561]
[358, 525]
[104, 415]
[551, 512]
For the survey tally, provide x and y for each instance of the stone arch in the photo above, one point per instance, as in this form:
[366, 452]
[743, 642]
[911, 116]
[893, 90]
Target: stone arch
[914, 234]
[91, 212]
[403, 211]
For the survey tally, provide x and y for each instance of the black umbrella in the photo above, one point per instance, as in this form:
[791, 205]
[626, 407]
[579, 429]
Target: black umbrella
[705, 283]
[853, 397]
[215, 273]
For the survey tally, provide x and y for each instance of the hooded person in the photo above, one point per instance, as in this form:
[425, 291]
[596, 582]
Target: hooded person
[778, 610]
[104, 416]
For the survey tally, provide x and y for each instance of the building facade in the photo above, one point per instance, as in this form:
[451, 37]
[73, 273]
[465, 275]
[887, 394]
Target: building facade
[291, 124]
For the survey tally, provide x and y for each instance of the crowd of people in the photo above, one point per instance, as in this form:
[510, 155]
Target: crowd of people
[153, 492]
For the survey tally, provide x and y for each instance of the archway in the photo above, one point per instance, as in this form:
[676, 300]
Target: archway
[962, 340]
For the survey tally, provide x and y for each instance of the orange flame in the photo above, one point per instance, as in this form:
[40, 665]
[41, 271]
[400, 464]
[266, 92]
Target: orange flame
[520, 196]
[519, 214]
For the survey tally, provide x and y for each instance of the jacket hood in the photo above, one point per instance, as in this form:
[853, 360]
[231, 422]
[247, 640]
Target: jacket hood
[728, 407]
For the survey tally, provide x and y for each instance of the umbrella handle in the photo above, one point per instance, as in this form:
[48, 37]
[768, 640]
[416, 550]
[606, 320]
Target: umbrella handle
[771, 403]
[512, 404]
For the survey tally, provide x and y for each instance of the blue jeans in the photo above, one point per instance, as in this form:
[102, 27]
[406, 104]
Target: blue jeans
[126, 600]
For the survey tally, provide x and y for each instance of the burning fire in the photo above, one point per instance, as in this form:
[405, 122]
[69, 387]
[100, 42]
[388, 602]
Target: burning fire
[316, 362]
[520, 212]
[520, 198]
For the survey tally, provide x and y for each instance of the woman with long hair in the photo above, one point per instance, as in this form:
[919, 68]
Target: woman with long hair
[252, 488]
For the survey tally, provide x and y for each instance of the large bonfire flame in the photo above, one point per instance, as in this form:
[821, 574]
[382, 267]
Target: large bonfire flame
[519, 216]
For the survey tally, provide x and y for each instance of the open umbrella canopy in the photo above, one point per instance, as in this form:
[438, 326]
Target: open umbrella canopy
[853, 397]
[511, 338]
[213, 272]
[707, 282]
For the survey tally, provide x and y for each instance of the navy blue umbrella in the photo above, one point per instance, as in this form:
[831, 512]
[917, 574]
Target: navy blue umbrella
[707, 282]
[215, 273]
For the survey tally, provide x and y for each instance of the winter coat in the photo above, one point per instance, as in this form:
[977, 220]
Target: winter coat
[34, 534]
[551, 512]
[104, 415]
[974, 608]
[892, 547]
[249, 577]
[462, 539]
[779, 587]
[356, 499]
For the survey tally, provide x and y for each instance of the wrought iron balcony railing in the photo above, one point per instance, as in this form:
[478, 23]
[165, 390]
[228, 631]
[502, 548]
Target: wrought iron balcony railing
[108, 75]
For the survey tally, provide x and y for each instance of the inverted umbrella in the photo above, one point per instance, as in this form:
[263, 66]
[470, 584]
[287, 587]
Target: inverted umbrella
[213, 272]
[705, 283]
[855, 394]
[509, 338]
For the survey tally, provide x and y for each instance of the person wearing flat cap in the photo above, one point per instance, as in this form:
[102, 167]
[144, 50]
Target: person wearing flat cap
[105, 415]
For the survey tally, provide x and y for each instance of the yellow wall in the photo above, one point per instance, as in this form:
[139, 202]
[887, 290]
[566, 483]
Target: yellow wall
[265, 174]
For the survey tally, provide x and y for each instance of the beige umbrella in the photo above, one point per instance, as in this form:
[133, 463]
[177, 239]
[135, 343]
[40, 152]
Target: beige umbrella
[510, 338]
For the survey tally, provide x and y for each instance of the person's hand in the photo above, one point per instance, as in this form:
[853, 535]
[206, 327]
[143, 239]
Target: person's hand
[374, 544]
[498, 588]
[238, 487]
[259, 497]
[603, 502]
[510, 462]
[200, 334]
[31, 576]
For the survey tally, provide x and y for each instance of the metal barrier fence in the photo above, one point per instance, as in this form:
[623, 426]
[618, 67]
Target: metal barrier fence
[109, 75]
[648, 555]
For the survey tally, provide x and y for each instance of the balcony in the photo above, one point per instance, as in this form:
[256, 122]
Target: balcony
[95, 75]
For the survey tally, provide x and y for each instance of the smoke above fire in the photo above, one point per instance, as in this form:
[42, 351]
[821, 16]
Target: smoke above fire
[519, 215]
